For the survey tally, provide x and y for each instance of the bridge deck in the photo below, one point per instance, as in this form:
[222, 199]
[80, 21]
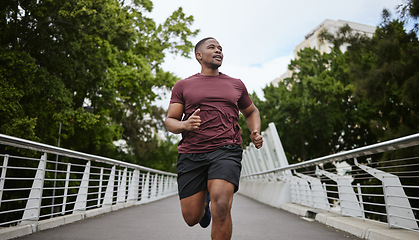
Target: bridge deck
[163, 220]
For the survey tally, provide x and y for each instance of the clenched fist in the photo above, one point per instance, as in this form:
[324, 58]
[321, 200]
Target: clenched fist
[257, 139]
[193, 122]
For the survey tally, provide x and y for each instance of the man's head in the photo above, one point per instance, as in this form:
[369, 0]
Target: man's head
[209, 52]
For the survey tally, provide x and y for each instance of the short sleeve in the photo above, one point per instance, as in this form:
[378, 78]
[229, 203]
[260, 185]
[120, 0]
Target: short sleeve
[177, 93]
[244, 101]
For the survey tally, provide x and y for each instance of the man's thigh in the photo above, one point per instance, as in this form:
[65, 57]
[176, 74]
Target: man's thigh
[192, 206]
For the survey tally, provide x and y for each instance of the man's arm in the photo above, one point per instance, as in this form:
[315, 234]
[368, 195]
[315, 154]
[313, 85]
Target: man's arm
[174, 116]
[252, 116]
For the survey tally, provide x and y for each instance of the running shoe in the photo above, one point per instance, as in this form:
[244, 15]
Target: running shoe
[206, 219]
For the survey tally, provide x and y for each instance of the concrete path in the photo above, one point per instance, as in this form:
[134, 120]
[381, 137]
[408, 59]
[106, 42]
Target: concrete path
[163, 220]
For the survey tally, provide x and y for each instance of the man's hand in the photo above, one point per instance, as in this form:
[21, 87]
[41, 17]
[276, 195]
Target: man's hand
[193, 122]
[256, 139]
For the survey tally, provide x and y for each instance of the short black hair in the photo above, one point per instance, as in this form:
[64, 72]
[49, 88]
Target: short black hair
[201, 42]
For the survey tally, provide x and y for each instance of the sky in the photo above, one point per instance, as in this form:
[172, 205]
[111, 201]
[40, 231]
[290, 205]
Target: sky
[259, 37]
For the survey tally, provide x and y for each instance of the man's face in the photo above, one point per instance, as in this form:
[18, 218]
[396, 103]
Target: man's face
[210, 54]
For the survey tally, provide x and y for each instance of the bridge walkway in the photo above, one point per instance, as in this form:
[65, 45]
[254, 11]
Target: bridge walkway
[162, 220]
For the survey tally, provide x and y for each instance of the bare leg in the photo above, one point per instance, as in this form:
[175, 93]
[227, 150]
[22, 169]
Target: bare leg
[193, 208]
[221, 193]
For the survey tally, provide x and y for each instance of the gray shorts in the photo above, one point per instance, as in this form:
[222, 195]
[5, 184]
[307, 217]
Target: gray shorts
[195, 169]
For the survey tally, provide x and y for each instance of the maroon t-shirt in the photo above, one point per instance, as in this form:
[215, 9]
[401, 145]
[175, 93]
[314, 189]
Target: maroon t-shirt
[219, 98]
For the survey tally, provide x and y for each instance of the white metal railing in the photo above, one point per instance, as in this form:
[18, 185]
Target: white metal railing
[378, 182]
[61, 182]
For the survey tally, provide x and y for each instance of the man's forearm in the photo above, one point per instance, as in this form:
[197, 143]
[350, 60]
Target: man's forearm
[253, 121]
[174, 125]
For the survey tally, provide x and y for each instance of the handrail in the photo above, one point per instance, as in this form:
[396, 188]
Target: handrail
[70, 188]
[403, 142]
[345, 186]
[27, 144]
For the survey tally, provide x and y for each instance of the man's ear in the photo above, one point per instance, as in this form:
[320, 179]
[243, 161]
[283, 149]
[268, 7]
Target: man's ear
[198, 56]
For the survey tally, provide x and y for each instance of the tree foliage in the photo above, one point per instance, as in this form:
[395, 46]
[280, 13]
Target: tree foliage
[92, 65]
[312, 109]
[389, 81]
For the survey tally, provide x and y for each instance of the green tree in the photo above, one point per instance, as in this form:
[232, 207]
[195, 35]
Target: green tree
[386, 78]
[92, 65]
[309, 108]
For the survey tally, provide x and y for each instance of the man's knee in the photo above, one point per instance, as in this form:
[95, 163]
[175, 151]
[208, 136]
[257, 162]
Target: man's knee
[191, 218]
[193, 208]
[221, 207]
[221, 193]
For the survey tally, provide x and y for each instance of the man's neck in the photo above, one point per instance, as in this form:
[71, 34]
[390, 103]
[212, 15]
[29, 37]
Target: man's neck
[210, 72]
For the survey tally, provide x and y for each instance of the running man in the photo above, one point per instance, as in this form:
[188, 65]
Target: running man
[204, 108]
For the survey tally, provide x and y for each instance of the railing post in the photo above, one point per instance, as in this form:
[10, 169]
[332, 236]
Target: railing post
[295, 190]
[245, 166]
[3, 175]
[166, 185]
[161, 184]
[361, 201]
[250, 161]
[305, 192]
[265, 150]
[399, 211]
[258, 154]
[145, 190]
[81, 200]
[255, 160]
[154, 187]
[118, 184]
[99, 194]
[318, 194]
[130, 176]
[133, 186]
[109, 188]
[33, 205]
[279, 150]
[172, 184]
[348, 201]
[122, 187]
[67, 181]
